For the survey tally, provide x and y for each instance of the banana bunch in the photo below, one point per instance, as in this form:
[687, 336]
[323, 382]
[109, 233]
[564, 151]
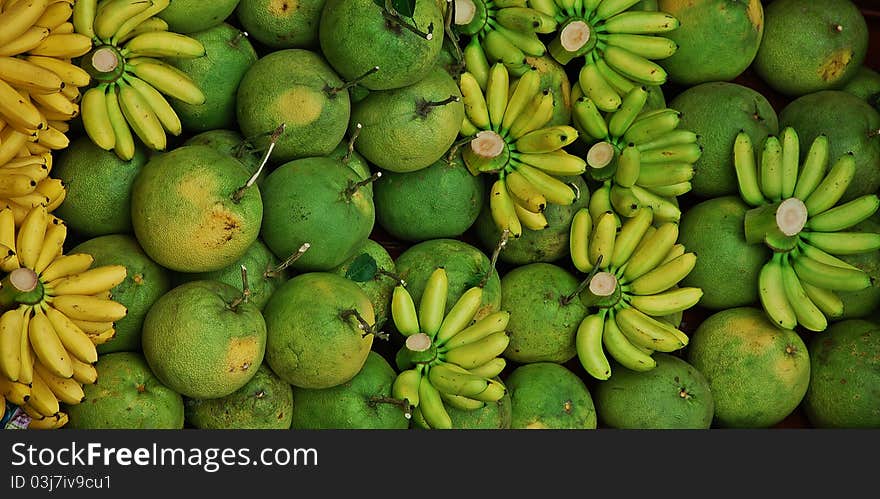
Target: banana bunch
[56, 310]
[131, 82]
[796, 213]
[633, 281]
[505, 121]
[39, 86]
[503, 31]
[25, 182]
[640, 158]
[447, 359]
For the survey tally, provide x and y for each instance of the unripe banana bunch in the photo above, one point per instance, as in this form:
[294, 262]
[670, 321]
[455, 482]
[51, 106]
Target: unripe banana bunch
[641, 158]
[128, 98]
[633, 278]
[447, 359]
[56, 309]
[506, 121]
[797, 215]
[503, 31]
[39, 86]
[25, 182]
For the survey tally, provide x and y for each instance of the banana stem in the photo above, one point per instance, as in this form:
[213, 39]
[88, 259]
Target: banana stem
[354, 136]
[502, 242]
[463, 11]
[781, 221]
[240, 192]
[419, 349]
[288, 262]
[22, 285]
[105, 63]
[603, 291]
[600, 155]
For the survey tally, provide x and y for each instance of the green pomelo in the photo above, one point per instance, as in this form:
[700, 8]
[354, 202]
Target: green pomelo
[315, 201]
[263, 275]
[355, 161]
[844, 390]
[145, 282]
[184, 213]
[758, 373]
[201, 342]
[440, 201]
[810, 46]
[188, 16]
[281, 24]
[865, 85]
[263, 403]
[717, 39]
[228, 56]
[555, 79]
[544, 317]
[466, 266]
[408, 129]
[549, 396]
[673, 395]
[355, 37]
[717, 112]
[296, 88]
[364, 402]
[364, 270]
[850, 124]
[492, 416]
[727, 266]
[312, 340]
[547, 245]
[861, 304]
[232, 143]
[128, 396]
[98, 199]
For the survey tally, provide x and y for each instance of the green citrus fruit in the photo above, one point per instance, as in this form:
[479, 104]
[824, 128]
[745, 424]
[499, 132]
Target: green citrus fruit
[861, 304]
[281, 24]
[188, 16]
[865, 85]
[232, 143]
[549, 396]
[366, 269]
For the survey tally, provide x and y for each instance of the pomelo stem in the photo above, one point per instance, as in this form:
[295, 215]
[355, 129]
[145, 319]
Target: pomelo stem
[402, 403]
[332, 91]
[22, 285]
[240, 192]
[392, 275]
[245, 291]
[392, 15]
[354, 136]
[424, 107]
[453, 151]
[364, 326]
[354, 186]
[502, 242]
[238, 38]
[288, 262]
[583, 285]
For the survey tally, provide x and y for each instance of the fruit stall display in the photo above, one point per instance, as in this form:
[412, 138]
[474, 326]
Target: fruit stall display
[439, 214]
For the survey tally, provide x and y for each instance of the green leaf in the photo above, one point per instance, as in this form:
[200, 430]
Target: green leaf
[362, 269]
[405, 8]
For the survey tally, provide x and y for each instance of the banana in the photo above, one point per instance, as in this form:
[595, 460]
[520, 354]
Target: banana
[42, 399]
[403, 311]
[667, 302]
[649, 255]
[58, 103]
[47, 345]
[16, 19]
[24, 74]
[671, 138]
[474, 101]
[554, 190]
[813, 169]
[621, 84]
[556, 163]
[92, 328]
[846, 215]
[158, 104]
[461, 402]
[84, 16]
[53, 242]
[89, 282]
[587, 117]
[610, 8]
[529, 43]
[52, 138]
[30, 236]
[96, 119]
[490, 369]
[31, 38]
[83, 373]
[406, 386]
[14, 185]
[770, 169]
[167, 79]
[687, 153]
[141, 118]
[497, 88]
[15, 392]
[653, 175]
[843, 243]
[11, 142]
[66, 390]
[598, 89]
[476, 62]
[747, 170]
[478, 352]
[622, 350]
[10, 341]
[623, 200]
[579, 238]
[63, 46]
[628, 167]
[634, 67]
[663, 277]
[542, 105]
[492, 323]
[807, 313]
[631, 233]
[630, 107]
[89, 308]
[66, 265]
[56, 14]
[453, 380]
[524, 193]
[647, 46]
[104, 337]
[115, 14]
[431, 406]
[18, 113]
[526, 20]
[790, 159]
[546, 7]
[143, 22]
[49, 423]
[503, 209]
[500, 50]
[124, 143]
[823, 257]
[75, 341]
[832, 187]
[664, 210]
[600, 201]
[588, 344]
[63, 28]
[671, 190]
[602, 241]
[647, 332]
[771, 291]
[651, 126]
[828, 301]
[432, 306]
[460, 315]
[641, 23]
[493, 393]
[163, 44]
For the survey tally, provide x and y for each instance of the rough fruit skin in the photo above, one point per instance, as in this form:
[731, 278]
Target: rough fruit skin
[546, 395]
[232, 143]
[128, 396]
[281, 23]
[717, 39]
[727, 267]
[380, 288]
[861, 304]
[673, 395]
[810, 46]
[188, 16]
[493, 416]
[844, 389]
[716, 112]
[865, 85]
[758, 373]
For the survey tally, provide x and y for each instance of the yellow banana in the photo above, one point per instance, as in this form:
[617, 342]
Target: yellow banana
[42, 399]
[432, 306]
[83, 373]
[95, 118]
[664, 276]
[527, 87]
[631, 233]
[524, 192]
[115, 14]
[554, 190]
[58, 103]
[597, 88]
[163, 44]
[31, 38]
[655, 248]
[67, 265]
[66, 390]
[124, 143]
[10, 341]
[56, 14]
[30, 236]
[53, 242]
[63, 46]
[19, 17]
[49, 423]
[474, 101]
[647, 332]
[403, 311]
[497, 88]
[542, 107]
[19, 113]
[588, 343]
[406, 386]
[622, 350]
[478, 352]
[89, 282]
[431, 406]
[22, 73]
[667, 302]
[141, 118]
[579, 240]
[75, 341]
[461, 314]
[503, 209]
[47, 345]
[16, 392]
[529, 219]
[602, 241]
[89, 308]
[556, 163]
[167, 79]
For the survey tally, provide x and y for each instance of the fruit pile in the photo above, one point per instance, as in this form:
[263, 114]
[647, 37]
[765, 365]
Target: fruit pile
[439, 214]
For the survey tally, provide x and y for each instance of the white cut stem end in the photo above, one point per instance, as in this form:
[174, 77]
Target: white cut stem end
[791, 216]
[487, 144]
[600, 155]
[575, 35]
[603, 284]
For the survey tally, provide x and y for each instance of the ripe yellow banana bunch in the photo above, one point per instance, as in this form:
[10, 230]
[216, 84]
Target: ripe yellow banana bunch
[448, 358]
[506, 123]
[640, 157]
[633, 278]
[797, 215]
[25, 182]
[56, 309]
[39, 86]
[132, 82]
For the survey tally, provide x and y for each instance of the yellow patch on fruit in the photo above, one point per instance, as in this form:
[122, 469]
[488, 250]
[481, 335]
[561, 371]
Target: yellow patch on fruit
[283, 8]
[195, 186]
[219, 226]
[537, 425]
[755, 12]
[241, 354]
[301, 105]
[835, 64]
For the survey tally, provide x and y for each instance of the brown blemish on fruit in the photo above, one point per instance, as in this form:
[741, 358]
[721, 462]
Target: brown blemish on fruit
[300, 105]
[138, 278]
[241, 354]
[567, 406]
[756, 15]
[282, 8]
[220, 226]
[835, 64]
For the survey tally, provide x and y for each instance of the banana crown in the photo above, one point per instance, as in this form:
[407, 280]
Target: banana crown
[632, 281]
[448, 359]
[797, 212]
